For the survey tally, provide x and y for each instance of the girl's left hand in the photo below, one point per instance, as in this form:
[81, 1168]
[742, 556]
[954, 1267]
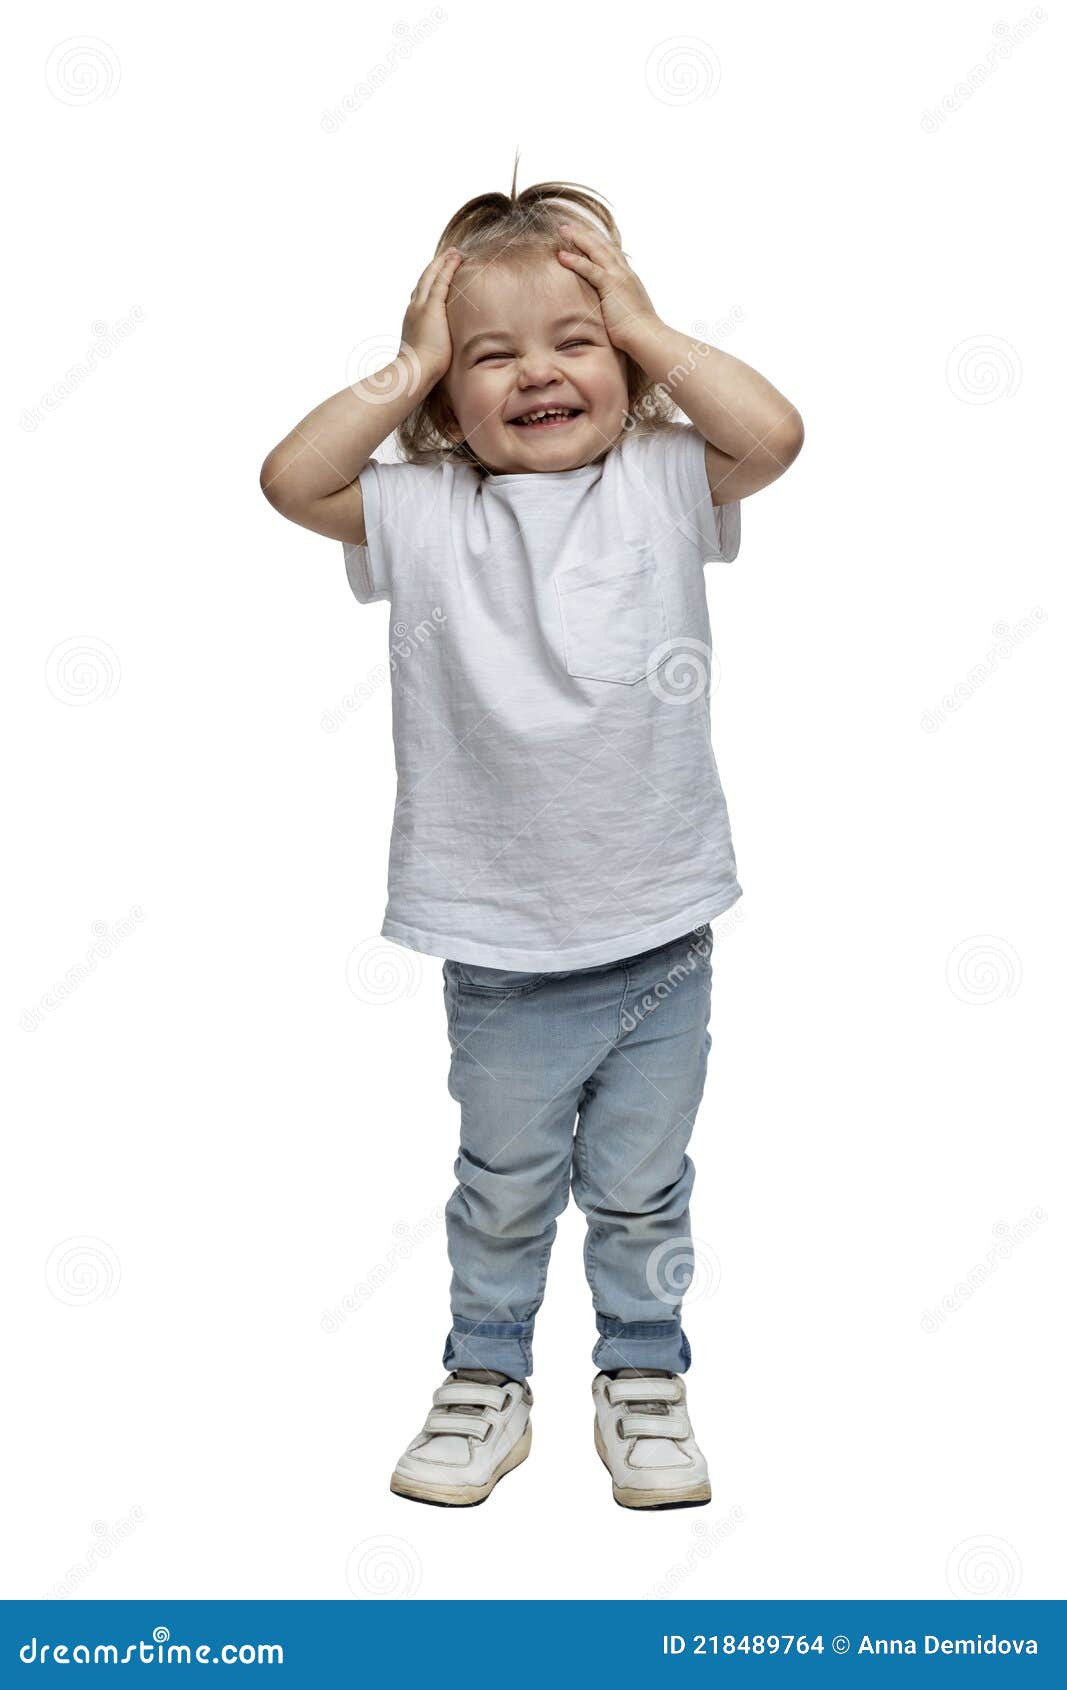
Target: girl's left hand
[625, 306]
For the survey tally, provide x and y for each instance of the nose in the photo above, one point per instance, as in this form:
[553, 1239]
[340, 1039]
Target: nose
[536, 369]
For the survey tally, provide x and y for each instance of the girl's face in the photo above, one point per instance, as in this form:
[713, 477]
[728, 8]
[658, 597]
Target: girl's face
[525, 338]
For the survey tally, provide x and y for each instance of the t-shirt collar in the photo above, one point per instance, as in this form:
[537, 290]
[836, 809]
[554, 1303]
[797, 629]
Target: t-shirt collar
[587, 471]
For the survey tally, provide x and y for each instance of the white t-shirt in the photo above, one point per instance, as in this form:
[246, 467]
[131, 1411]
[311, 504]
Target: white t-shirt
[558, 805]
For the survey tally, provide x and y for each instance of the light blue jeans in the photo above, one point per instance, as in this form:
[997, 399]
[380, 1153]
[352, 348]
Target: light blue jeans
[622, 1051]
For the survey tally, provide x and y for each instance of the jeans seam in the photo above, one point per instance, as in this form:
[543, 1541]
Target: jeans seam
[546, 1253]
[479, 990]
[592, 1229]
[491, 1328]
[637, 1330]
[450, 1009]
[592, 1239]
[622, 1006]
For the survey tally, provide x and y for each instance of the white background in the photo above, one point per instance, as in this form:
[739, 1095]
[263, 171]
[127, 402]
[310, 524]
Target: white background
[239, 1115]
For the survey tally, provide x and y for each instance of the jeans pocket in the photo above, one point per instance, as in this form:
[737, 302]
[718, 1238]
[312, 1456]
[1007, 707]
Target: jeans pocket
[613, 616]
[495, 982]
[701, 943]
[694, 948]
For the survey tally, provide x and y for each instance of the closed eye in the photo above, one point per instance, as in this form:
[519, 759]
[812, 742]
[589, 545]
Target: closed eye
[490, 357]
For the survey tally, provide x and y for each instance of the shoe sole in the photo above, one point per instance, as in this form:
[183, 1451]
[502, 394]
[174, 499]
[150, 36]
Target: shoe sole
[689, 1496]
[461, 1496]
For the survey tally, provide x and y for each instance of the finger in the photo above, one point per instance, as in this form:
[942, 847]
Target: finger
[586, 239]
[584, 266]
[422, 286]
[433, 270]
[448, 264]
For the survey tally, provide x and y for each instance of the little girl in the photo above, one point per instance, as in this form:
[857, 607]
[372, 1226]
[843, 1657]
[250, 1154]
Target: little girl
[560, 836]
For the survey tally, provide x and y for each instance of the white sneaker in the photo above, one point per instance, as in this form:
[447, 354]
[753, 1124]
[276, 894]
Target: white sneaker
[645, 1441]
[477, 1430]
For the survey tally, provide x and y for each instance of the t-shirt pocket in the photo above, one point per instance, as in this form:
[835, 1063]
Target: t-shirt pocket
[613, 616]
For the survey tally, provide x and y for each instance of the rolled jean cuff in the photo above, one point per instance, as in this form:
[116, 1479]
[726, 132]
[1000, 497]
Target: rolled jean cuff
[641, 1343]
[502, 1344]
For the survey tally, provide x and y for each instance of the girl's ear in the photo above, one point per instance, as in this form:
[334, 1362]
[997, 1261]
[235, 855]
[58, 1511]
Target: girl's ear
[449, 426]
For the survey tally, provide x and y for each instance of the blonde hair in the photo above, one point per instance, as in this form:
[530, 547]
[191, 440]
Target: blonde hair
[519, 229]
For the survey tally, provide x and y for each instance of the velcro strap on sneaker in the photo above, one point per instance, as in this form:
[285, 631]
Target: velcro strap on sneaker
[463, 1425]
[470, 1393]
[655, 1426]
[645, 1390]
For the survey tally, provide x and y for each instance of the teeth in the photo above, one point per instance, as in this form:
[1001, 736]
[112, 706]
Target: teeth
[554, 411]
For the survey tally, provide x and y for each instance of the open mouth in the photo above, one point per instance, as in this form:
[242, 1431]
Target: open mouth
[548, 416]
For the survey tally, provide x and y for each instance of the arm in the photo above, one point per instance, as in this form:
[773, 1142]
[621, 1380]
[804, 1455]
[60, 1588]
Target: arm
[312, 476]
[752, 433]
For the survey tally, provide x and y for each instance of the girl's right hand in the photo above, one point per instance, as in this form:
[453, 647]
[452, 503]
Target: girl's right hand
[425, 330]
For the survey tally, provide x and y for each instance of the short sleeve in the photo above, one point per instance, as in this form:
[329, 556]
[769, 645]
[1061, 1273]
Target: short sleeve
[397, 502]
[666, 469]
